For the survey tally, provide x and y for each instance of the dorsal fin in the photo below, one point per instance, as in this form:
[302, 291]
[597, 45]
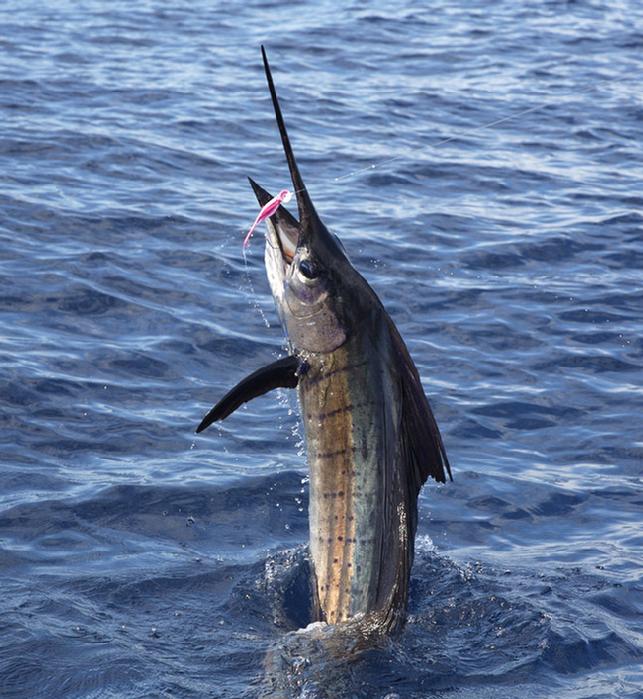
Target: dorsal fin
[424, 451]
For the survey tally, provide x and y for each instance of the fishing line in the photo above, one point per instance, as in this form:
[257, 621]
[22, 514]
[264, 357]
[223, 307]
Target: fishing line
[473, 130]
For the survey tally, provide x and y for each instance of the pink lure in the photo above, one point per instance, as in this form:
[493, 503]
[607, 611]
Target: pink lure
[267, 210]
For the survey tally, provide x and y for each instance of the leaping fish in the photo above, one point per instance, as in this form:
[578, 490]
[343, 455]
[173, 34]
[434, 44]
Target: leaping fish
[371, 437]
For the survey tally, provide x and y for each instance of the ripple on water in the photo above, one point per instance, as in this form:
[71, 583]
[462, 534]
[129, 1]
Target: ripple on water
[140, 560]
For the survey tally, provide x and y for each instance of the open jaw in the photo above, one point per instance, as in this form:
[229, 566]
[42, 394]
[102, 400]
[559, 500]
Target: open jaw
[283, 235]
[287, 237]
[281, 245]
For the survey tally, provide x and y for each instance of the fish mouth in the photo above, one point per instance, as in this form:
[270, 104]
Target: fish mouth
[283, 228]
[286, 244]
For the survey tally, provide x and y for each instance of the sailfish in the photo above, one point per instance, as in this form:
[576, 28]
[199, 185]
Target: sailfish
[371, 437]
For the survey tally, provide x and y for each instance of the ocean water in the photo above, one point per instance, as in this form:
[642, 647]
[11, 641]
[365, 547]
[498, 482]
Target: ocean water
[139, 560]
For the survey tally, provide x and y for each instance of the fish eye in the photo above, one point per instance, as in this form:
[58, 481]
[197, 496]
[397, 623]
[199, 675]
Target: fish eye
[308, 269]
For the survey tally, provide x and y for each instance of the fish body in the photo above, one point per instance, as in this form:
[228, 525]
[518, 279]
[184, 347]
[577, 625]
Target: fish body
[371, 437]
[359, 541]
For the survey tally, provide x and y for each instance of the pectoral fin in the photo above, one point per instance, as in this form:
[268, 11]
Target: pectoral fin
[282, 373]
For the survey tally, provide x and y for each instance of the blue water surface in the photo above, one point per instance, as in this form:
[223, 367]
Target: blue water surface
[138, 560]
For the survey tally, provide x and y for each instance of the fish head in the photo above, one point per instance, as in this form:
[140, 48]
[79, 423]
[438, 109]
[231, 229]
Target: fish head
[312, 280]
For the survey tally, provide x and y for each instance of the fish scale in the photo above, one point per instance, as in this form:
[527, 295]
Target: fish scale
[348, 503]
[331, 451]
